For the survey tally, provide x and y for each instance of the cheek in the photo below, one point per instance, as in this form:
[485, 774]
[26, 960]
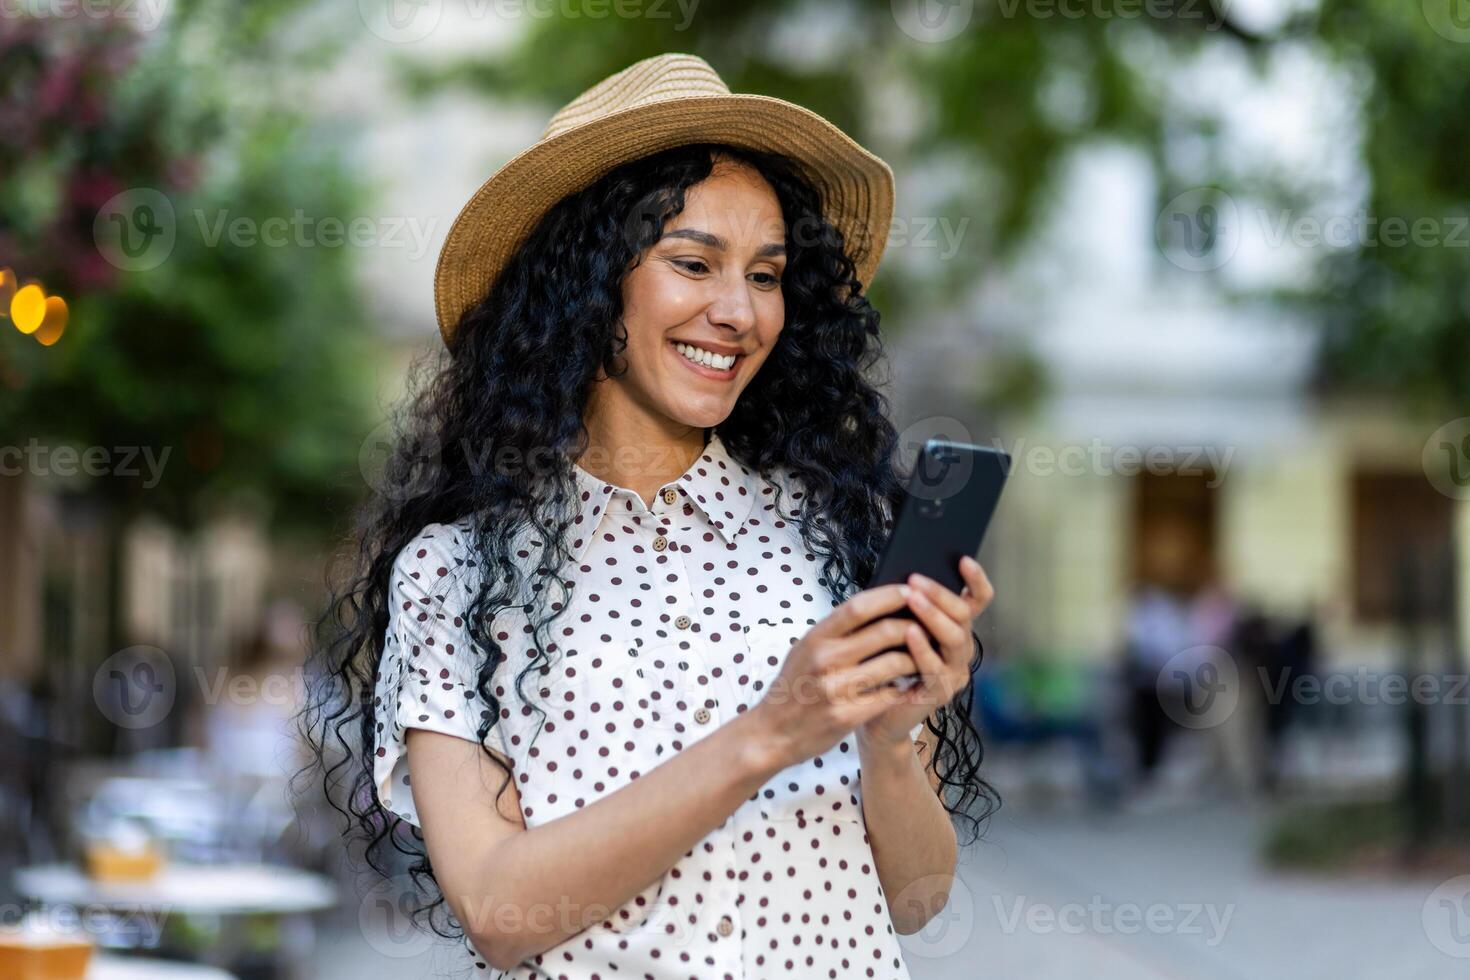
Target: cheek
[655, 299]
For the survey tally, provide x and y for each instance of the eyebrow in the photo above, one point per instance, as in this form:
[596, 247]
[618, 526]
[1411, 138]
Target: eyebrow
[716, 242]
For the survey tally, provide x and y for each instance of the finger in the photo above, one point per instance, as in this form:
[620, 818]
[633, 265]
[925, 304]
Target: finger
[856, 683]
[952, 603]
[877, 637]
[970, 572]
[929, 660]
[947, 632]
[978, 583]
[931, 665]
[861, 609]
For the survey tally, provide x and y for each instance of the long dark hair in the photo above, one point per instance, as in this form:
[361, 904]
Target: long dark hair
[517, 377]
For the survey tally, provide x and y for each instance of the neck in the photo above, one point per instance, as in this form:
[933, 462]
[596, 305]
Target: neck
[640, 457]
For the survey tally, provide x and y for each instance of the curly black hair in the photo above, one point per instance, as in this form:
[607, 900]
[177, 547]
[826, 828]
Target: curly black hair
[517, 376]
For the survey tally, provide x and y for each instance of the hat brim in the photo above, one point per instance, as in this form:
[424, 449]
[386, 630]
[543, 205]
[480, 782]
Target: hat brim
[856, 187]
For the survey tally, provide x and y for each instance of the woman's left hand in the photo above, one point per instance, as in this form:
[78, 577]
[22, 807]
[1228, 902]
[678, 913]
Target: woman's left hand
[947, 617]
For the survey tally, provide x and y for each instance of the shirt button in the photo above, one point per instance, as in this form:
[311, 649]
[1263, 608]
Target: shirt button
[660, 543]
[670, 495]
[701, 715]
[726, 926]
[682, 623]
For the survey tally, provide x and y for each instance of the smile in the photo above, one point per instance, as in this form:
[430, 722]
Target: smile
[707, 363]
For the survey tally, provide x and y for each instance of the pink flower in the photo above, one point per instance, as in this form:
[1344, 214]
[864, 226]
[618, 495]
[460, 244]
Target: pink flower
[88, 190]
[58, 88]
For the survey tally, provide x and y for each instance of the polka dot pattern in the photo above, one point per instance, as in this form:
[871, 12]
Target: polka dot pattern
[680, 616]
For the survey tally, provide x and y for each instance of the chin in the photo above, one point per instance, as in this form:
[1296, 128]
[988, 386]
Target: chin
[696, 415]
[706, 420]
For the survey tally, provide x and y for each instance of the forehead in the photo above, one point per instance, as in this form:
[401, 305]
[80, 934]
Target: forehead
[735, 202]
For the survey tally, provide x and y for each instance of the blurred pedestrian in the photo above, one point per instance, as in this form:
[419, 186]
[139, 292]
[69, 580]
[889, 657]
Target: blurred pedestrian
[248, 724]
[1158, 629]
[1294, 656]
[1230, 730]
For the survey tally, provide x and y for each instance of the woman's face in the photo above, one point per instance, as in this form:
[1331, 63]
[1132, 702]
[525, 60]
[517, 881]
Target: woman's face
[709, 289]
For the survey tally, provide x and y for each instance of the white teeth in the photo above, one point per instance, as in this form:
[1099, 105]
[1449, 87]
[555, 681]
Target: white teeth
[720, 362]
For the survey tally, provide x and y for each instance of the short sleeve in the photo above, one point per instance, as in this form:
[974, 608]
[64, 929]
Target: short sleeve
[427, 676]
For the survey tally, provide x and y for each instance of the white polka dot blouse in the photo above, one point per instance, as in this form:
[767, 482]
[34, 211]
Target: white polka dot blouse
[679, 619]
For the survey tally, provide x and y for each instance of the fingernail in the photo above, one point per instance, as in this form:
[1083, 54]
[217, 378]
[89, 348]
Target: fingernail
[904, 590]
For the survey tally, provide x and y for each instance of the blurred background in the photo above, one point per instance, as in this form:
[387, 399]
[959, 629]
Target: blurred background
[1201, 266]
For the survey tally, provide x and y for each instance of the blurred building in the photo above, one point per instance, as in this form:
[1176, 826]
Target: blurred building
[1179, 427]
[1293, 499]
[192, 594]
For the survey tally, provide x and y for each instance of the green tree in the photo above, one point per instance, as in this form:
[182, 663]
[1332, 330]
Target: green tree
[241, 359]
[1022, 85]
[1397, 316]
[237, 361]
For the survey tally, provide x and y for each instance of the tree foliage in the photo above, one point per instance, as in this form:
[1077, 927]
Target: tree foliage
[237, 353]
[1024, 84]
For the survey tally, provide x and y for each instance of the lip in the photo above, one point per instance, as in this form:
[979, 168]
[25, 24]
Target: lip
[713, 346]
[702, 370]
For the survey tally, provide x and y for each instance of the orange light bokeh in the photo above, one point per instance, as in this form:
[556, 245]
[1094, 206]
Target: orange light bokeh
[28, 308]
[53, 323]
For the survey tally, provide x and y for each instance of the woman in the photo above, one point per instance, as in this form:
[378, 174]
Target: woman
[606, 619]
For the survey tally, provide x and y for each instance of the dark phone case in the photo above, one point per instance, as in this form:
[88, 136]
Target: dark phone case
[952, 494]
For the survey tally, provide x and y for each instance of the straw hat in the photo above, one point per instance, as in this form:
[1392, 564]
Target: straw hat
[661, 102]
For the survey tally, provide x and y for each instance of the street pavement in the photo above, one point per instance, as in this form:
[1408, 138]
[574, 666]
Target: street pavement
[1175, 893]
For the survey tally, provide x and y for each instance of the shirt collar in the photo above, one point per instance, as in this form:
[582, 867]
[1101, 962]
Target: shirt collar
[716, 483]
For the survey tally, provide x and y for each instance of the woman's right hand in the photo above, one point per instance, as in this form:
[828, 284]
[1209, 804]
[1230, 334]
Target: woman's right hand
[826, 688]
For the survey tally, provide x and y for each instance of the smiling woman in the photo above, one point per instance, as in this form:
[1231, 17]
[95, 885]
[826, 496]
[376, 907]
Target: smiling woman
[702, 310]
[606, 657]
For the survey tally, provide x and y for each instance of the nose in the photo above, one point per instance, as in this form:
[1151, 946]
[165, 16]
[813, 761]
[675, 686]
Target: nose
[732, 306]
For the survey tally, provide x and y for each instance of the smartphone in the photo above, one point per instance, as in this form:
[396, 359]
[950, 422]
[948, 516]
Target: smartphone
[952, 493]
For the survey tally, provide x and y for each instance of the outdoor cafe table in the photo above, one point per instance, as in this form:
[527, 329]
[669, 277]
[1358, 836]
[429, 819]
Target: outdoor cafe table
[113, 968]
[229, 891]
